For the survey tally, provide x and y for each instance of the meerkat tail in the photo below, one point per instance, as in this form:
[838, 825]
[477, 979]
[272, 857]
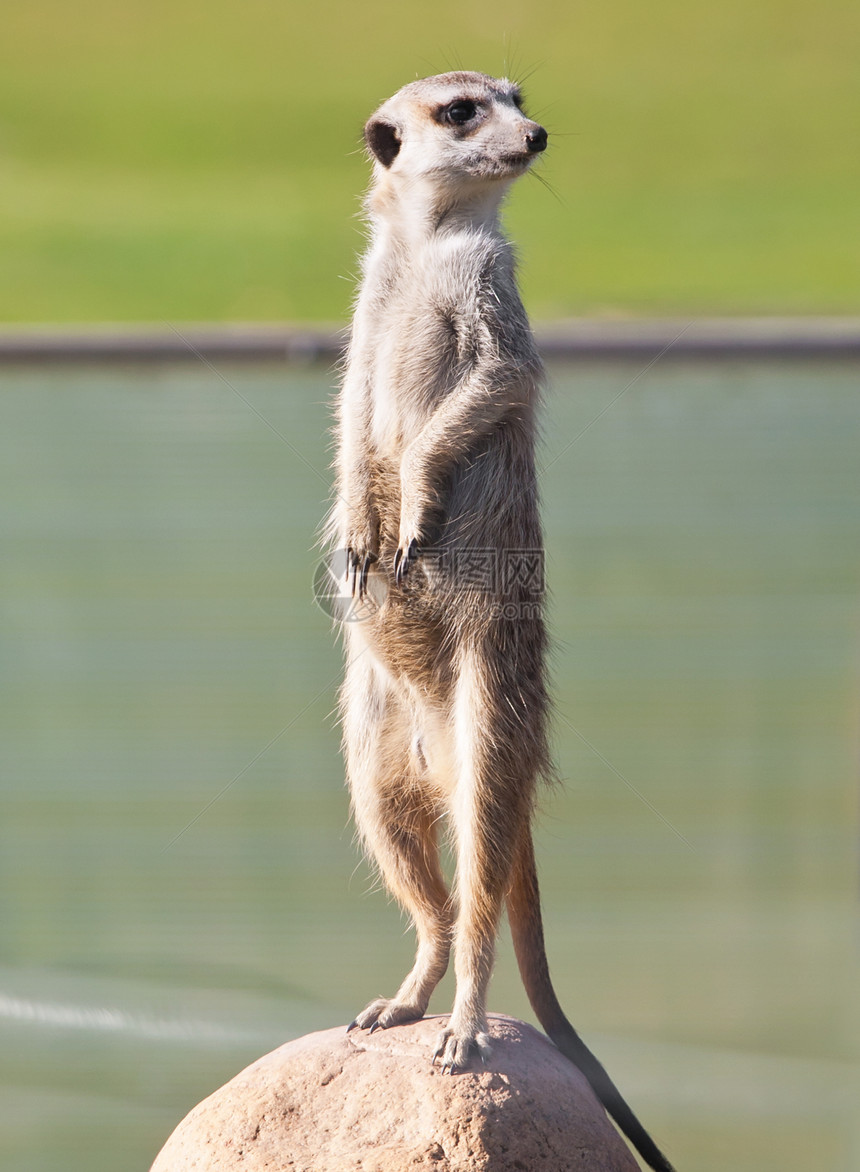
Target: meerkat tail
[523, 902]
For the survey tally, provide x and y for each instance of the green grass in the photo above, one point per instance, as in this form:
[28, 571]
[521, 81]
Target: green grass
[180, 161]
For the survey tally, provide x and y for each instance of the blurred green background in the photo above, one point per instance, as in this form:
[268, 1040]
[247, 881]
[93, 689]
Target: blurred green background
[199, 161]
[179, 890]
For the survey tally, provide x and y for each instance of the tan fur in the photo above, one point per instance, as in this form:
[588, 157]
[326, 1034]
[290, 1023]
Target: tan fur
[444, 703]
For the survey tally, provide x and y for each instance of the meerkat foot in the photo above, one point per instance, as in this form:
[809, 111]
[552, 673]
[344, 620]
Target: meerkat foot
[386, 1012]
[407, 553]
[456, 1048]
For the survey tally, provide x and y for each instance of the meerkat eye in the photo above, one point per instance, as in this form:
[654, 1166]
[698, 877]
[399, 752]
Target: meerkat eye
[459, 113]
[518, 100]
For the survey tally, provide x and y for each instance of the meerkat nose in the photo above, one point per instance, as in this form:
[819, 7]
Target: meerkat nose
[536, 140]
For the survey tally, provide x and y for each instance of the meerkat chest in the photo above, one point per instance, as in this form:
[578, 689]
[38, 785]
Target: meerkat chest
[417, 345]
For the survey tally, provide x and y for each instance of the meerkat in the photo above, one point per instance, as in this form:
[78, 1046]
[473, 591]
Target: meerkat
[444, 704]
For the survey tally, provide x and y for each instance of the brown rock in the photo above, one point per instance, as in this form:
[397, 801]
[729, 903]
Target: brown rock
[334, 1102]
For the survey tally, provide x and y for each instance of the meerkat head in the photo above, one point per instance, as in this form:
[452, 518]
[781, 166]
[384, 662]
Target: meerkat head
[459, 133]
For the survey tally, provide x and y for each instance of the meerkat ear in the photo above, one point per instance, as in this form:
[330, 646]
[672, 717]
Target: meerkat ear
[382, 141]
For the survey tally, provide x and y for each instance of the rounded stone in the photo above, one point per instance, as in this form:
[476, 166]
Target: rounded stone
[335, 1101]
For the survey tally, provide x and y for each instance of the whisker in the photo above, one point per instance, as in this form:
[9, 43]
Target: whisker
[546, 183]
[524, 77]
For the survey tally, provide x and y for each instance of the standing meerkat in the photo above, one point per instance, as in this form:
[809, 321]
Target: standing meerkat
[444, 703]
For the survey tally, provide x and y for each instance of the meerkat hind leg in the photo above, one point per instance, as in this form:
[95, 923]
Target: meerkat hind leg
[403, 843]
[396, 817]
[490, 803]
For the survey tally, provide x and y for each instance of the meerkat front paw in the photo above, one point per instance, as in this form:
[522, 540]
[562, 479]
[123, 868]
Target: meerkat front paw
[414, 495]
[407, 553]
[362, 550]
[457, 1047]
[358, 563]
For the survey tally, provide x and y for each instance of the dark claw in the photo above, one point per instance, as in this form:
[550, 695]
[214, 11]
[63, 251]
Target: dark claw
[376, 1026]
[351, 564]
[353, 1025]
[365, 569]
[357, 568]
[403, 561]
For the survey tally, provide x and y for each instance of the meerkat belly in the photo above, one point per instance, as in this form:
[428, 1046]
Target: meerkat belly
[415, 365]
